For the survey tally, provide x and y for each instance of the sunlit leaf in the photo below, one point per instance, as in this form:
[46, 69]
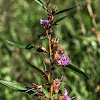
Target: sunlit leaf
[40, 3]
[76, 71]
[18, 87]
[39, 71]
[60, 19]
[14, 86]
[65, 10]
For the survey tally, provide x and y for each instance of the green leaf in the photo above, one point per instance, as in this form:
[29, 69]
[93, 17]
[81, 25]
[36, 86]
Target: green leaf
[60, 19]
[40, 3]
[76, 71]
[29, 47]
[18, 87]
[42, 37]
[39, 71]
[14, 86]
[65, 10]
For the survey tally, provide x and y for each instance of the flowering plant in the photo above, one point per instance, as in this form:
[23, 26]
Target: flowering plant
[56, 56]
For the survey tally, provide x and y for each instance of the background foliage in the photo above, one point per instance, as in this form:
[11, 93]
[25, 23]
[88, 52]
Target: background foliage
[79, 35]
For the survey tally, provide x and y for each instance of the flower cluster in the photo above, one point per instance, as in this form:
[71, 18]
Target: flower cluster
[44, 21]
[58, 53]
[64, 96]
[56, 85]
[63, 61]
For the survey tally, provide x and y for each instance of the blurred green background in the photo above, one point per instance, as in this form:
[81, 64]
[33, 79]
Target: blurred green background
[79, 35]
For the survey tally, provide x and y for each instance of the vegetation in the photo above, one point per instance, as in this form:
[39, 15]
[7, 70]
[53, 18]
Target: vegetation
[79, 34]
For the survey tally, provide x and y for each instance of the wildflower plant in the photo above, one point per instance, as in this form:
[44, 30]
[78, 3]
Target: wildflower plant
[56, 56]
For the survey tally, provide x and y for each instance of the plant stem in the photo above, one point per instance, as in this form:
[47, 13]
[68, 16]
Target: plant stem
[50, 48]
[50, 67]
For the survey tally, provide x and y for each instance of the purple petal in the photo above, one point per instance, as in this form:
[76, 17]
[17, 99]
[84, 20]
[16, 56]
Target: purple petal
[47, 21]
[65, 94]
[69, 62]
[67, 98]
[65, 63]
[44, 21]
[67, 57]
[41, 21]
[64, 60]
[63, 55]
[59, 62]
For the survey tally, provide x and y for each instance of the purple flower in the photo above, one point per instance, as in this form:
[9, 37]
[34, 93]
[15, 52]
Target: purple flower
[65, 95]
[64, 60]
[44, 21]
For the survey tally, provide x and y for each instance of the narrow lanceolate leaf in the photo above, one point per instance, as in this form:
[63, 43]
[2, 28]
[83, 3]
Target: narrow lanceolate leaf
[40, 3]
[14, 86]
[60, 19]
[76, 71]
[39, 71]
[18, 87]
[65, 10]
[29, 47]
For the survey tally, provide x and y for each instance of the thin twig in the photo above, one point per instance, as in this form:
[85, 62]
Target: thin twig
[91, 13]
[83, 29]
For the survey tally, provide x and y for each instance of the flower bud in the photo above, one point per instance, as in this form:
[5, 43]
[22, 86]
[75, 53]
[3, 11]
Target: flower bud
[54, 42]
[50, 18]
[60, 50]
[47, 26]
[56, 90]
[57, 83]
[50, 32]
[61, 98]
[37, 87]
[57, 56]
[42, 49]
[53, 11]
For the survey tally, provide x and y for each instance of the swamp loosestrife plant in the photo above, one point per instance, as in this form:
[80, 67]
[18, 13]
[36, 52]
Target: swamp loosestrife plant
[57, 57]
